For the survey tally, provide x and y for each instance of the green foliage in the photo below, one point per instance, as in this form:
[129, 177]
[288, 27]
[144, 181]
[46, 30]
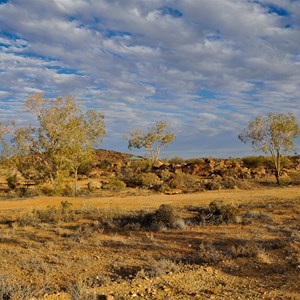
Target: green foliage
[166, 217]
[141, 166]
[116, 184]
[62, 141]
[184, 181]
[264, 161]
[256, 161]
[153, 140]
[104, 165]
[194, 160]
[189, 180]
[272, 134]
[176, 160]
[148, 180]
[12, 181]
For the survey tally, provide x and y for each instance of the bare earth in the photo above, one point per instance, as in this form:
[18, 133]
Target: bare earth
[257, 258]
[154, 201]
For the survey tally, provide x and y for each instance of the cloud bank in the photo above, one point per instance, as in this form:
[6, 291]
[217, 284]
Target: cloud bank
[205, 66]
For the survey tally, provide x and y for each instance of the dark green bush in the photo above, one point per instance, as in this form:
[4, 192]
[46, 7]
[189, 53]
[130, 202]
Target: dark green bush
[12, 181]
[104, 165]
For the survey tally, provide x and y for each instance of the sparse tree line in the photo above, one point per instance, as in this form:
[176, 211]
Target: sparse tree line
[65, 139]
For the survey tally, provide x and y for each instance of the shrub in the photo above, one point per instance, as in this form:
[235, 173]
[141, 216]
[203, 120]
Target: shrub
[184, 181]
[85, 168]
[229, 183]
[194, 160]
[265, 161]
[80, 290]
[213, 185]
[162, 267]
[217, 213]
[27, 219]
[142, 166]
[165, 175]
[13, 289]
[12, 181]
[116, 184]
[256, 161]
[176, 160]
[104, 165]
[206, 254]
[166, 217]
[50, 215]
[30, 192]
[248, 250]
[148, 180]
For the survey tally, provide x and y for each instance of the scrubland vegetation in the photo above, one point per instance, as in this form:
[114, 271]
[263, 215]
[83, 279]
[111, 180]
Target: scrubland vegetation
[235, 246]
[234, 249]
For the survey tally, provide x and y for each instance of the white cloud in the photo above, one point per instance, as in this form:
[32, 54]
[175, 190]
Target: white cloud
[206, 66]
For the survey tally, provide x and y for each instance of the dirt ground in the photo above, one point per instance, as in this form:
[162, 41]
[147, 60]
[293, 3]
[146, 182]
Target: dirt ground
[126, 201]
[256, 257]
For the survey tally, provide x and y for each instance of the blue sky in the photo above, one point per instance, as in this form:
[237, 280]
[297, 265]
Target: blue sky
[205, 66]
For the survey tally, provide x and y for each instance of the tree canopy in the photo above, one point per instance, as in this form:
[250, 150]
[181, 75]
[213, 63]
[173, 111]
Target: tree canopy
[273, 134]
[152, 140]
[63, 139]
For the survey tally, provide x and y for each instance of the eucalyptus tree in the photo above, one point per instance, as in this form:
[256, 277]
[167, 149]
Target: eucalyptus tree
[273, 134]
[62, 139]
[152, 140]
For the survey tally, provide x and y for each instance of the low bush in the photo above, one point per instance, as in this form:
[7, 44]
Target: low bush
[13, 289]
[116, 184]
[148, 180]
[264, 161]
[166, 217]
[176, 160]
[12, 181]
[247, 250]
[184, 181]
[206, 254]
[141, 166]
[217, 213]
[213, 185]
[51, 215]
[161, 267]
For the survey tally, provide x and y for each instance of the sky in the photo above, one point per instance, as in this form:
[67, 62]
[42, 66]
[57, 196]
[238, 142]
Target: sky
[206, 67]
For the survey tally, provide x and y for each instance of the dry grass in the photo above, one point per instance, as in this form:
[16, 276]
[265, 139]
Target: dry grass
[84, 250]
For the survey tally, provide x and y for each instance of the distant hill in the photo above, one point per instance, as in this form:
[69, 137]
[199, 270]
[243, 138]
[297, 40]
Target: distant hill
[111, 155]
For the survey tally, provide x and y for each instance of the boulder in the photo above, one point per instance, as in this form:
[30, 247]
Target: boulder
[94, 185]
[157, 164]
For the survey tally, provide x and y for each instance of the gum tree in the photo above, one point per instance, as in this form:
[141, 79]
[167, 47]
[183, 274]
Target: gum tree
[62, 140]
[153, 140]
[273, 134]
